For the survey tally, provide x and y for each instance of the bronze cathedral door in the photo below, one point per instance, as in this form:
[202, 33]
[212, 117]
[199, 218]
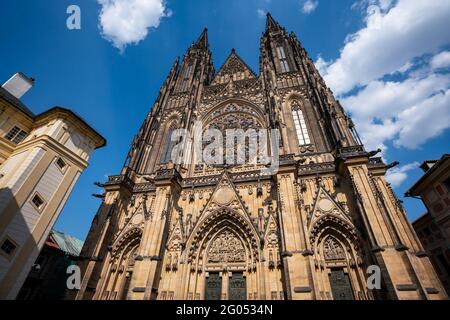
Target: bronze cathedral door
[237, 287]
[340, 285]
[213, 287]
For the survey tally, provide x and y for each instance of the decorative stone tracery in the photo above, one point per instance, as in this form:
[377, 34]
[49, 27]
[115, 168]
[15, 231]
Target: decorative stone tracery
[226, 247]
[333, 250]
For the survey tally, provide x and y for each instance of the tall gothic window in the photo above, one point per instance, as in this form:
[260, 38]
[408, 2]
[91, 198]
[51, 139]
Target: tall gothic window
[283, 60]
[187, 75]
[300, 127]
[166, 155]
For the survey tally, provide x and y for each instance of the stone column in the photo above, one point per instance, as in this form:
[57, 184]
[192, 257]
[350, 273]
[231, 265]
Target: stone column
[402, 275]
[295, 257]
[149, 260]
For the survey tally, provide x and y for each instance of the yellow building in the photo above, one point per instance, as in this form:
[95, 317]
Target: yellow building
[433, 228]
[196, 231]
[41, 158]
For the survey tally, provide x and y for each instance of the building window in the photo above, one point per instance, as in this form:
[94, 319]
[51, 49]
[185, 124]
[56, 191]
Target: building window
[444, 263]
[37, 201]
[447, 184]
[16, 135]
[283, 60]
[61, 164]
[166, 155]
[300, 127]
[8, 248]
[187, 76]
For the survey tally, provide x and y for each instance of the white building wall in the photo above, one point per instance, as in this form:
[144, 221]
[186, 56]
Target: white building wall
[12, 184]
[24, 273]
[79, 144]
[28, 216]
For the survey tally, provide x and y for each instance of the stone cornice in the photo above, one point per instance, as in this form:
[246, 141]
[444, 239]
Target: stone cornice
[47, 141]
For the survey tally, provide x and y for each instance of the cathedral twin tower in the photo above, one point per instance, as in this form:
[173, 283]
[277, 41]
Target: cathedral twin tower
[195, 231]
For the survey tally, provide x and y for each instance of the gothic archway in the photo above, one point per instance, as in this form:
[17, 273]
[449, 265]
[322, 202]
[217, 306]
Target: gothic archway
[223, 254]
[120, 266]
[337, 260]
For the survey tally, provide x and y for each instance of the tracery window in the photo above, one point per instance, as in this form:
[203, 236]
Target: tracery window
[283, 60]
[187, 75]
[300, 127]
[166, 155]
[234, 117]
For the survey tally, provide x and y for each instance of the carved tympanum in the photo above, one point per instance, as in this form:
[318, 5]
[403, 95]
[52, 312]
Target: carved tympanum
[226, 248]
[333, 250]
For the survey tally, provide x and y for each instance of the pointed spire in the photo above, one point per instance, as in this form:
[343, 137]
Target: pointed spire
[202, 41]
[271, 24]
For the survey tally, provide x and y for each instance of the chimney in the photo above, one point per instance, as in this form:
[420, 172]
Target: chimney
[18, 85]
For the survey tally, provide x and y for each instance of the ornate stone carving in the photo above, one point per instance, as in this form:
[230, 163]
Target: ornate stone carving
[224, 195]
[332, 250]
[272, 240]
[137, 219]
[226, 248]
[235, 121]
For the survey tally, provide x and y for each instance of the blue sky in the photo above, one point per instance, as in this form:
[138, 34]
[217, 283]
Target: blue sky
[389, 68]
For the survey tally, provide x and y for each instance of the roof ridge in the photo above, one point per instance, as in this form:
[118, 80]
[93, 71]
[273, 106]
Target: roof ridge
[235, 54]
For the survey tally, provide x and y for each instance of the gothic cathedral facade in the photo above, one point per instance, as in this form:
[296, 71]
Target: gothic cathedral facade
[310, 231]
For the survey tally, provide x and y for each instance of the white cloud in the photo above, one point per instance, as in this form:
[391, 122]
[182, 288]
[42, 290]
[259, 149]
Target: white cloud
[125, 22]
[309, 6]
[442, 60]
[398, 175]
[424, 121]
[261, 13]
[383, 100]
[402, 110]
[402, 39]
[389, 39]
[384, 5]
[407, 66]
[322, 65]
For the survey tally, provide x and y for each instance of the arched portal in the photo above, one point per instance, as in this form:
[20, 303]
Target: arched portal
[223, 255]
[121, 265]
[337, 260]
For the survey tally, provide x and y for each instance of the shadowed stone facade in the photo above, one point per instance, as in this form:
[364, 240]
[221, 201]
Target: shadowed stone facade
[310, 231]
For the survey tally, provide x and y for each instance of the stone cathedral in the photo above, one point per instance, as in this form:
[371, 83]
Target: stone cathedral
[310, 231]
